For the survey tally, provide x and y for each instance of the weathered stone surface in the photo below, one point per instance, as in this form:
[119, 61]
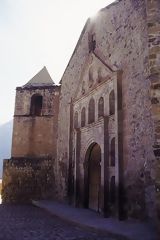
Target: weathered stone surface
[25, 179]
[35, 135]
[121, 35]
[153, 13]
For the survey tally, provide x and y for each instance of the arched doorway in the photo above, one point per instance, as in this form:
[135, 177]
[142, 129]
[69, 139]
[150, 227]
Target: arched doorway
[93, 177]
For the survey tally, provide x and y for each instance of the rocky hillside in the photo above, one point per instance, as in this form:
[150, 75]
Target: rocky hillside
[5, 142]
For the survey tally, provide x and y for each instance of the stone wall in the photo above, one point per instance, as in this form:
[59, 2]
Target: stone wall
[153, 21]
[121, 36]
[25, 179]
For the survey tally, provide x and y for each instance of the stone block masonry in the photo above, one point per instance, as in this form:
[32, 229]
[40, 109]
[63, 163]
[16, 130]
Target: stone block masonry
[119, 35]
[153, 21]
[25, 179]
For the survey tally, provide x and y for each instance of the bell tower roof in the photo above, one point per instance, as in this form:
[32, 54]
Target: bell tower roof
[41, 79]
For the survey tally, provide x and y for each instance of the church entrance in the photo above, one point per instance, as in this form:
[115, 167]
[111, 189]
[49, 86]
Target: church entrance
[94, 177]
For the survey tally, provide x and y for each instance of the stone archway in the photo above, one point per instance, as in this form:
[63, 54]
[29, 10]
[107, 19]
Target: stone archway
[93, 177]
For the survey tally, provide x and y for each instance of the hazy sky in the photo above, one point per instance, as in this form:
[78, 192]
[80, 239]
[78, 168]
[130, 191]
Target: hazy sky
[37, 33]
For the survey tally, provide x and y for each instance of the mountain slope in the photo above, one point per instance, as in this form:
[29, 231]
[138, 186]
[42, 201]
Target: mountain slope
[5, 142]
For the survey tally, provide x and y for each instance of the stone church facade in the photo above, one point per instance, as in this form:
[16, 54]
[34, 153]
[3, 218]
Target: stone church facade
[93, 140]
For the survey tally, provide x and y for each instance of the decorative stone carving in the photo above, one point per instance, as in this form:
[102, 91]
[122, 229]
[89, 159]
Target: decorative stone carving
[100, 77]
[91, 77]
[83, 87]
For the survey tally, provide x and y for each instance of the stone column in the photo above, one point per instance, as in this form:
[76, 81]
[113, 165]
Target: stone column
[70, 167]
[119, 170]
[105, 187]
[76, 172]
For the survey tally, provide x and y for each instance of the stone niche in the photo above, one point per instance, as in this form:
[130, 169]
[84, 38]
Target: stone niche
[27, 179]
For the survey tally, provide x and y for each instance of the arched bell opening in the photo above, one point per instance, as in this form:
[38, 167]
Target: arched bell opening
[36, 105]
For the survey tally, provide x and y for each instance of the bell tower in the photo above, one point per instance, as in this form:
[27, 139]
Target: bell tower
[30, 173]
[36, 117]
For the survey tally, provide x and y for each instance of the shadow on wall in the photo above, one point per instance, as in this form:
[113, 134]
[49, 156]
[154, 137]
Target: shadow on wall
[6, 141]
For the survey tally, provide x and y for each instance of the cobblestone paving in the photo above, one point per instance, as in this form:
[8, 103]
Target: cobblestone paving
[19, 222]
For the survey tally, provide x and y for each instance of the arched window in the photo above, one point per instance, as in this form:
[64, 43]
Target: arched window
[83, 117]
[112, 190]
[113, 152]
[112, 103]
[36, 105]
[76, 120]
[91, 111]
[101, 107]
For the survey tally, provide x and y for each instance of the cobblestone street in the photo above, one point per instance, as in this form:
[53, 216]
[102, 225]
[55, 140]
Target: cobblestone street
[18, 222]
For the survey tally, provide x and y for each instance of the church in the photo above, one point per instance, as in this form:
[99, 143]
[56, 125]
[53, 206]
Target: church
[93, 141]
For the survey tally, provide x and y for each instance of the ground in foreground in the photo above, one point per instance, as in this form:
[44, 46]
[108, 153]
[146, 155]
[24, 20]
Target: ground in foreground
[25, 222]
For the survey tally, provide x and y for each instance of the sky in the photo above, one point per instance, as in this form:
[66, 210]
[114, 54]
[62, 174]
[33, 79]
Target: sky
[34, 34]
